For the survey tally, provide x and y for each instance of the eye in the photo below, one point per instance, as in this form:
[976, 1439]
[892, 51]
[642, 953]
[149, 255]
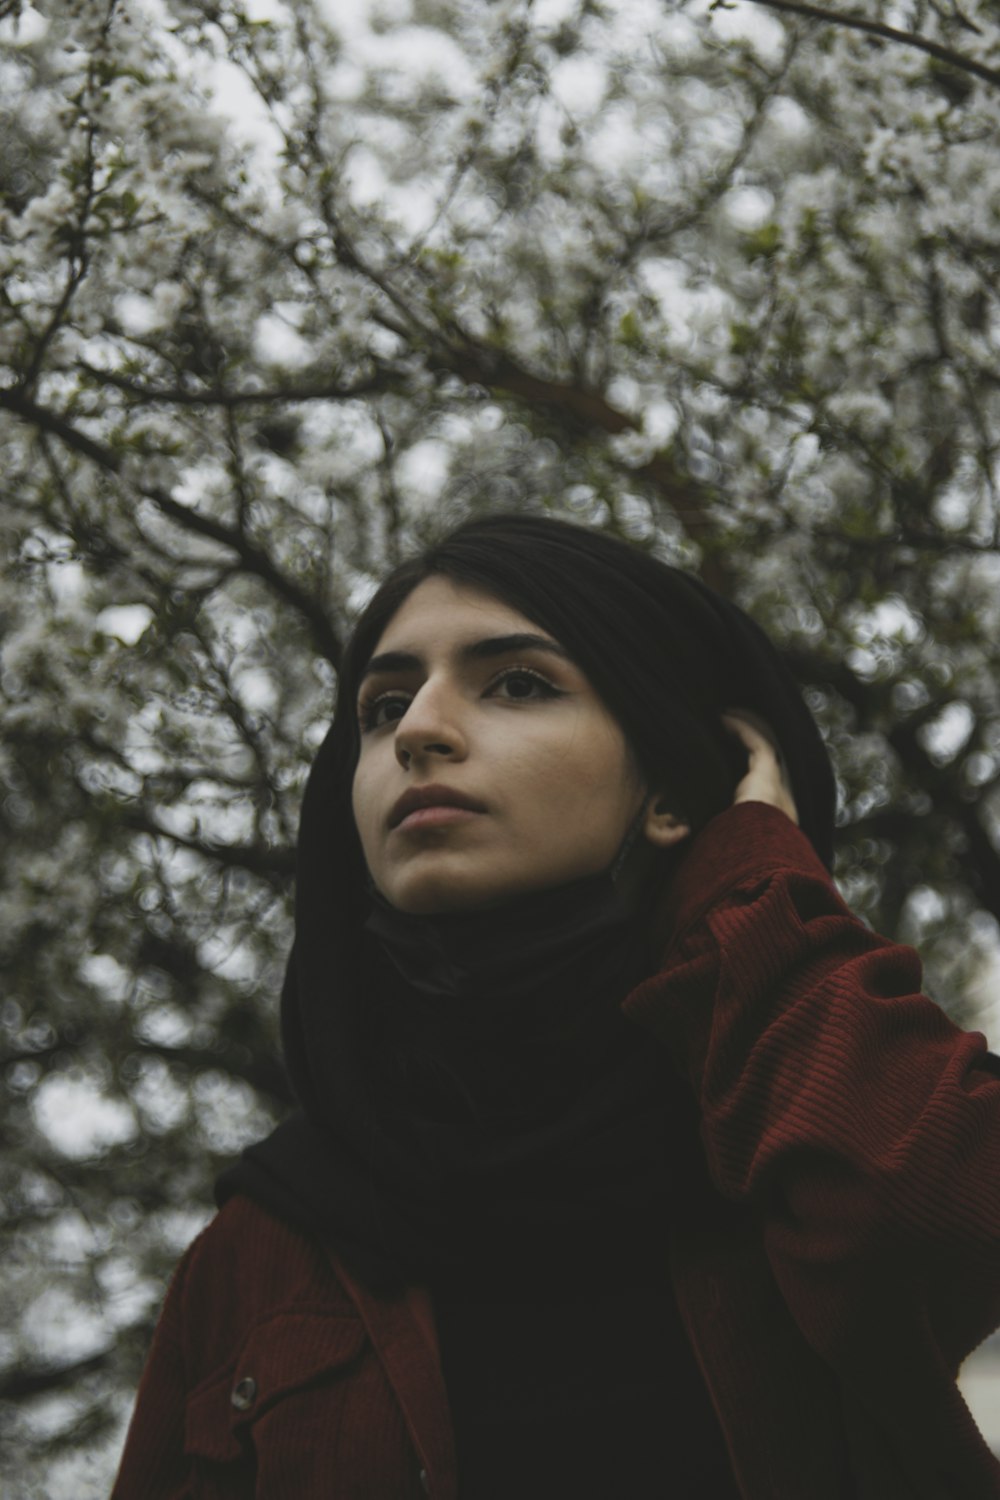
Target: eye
[522, 683]
[371, 713]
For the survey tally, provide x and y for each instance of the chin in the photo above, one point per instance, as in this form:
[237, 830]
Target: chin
[439, 895]
[436, 895]
[438, 903]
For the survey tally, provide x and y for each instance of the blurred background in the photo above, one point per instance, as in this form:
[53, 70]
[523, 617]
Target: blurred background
[288, 286]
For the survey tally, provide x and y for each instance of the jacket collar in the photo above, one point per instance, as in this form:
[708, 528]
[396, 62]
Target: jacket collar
[404, 1335]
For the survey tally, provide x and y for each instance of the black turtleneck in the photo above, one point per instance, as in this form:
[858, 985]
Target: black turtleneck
[508, 1139]
[567, 1366]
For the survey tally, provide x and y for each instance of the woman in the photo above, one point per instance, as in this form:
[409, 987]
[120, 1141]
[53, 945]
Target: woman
[629, 1163]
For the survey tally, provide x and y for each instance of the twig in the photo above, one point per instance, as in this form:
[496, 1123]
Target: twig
[888, 34]
[253, 558]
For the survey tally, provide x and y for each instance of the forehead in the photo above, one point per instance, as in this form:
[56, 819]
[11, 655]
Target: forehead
[440, 611]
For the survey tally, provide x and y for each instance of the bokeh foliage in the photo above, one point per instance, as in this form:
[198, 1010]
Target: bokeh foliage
[286, 289]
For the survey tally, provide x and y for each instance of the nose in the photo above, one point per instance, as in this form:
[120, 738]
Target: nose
[430, 727]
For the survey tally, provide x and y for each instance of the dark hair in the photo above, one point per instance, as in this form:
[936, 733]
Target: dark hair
[665, 653]
[615, 610]
[655, 642]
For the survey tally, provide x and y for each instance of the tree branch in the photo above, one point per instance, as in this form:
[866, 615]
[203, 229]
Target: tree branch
[577, 404]
[591, 409]
[19, 1383]
[254, 558]
[983, 858]
[886, 33]
[15, 400]
[147, 395]
[274, 864]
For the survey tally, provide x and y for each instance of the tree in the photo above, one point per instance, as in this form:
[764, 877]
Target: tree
[719, 278]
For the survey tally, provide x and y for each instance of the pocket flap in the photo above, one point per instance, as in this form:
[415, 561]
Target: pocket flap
[280, 1356]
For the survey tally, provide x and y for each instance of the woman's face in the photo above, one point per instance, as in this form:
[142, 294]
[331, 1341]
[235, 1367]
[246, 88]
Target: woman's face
[463, 693]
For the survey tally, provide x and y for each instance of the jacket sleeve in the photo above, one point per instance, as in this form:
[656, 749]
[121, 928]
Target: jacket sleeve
[837, 1102]
[153, 1464]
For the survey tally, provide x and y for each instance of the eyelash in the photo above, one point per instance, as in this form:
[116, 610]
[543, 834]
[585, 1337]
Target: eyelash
[368, 708]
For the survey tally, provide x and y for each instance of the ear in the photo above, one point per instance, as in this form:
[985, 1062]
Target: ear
[661, 827]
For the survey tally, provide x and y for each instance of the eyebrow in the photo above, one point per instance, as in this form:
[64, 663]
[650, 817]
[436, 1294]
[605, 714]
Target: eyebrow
[484, 650]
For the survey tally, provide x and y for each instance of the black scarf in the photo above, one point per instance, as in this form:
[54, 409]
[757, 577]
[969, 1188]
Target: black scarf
[469, 1090]
[505, 1104]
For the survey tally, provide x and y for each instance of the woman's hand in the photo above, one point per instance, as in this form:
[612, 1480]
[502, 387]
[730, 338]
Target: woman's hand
[765, 779]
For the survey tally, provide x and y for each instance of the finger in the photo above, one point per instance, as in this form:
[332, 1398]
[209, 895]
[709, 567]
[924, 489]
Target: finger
[755, 733]
[740, 730]
[767, 777]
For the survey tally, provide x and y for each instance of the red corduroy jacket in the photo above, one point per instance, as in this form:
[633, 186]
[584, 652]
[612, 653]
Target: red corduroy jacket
[840, 1265]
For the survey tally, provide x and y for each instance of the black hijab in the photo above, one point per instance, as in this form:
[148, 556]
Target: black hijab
[470, 1094]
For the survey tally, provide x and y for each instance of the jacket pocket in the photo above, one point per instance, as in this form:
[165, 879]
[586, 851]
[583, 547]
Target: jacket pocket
[288, 1357]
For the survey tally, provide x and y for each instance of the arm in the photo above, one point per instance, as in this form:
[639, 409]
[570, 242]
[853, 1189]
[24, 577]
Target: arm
[837, 1102]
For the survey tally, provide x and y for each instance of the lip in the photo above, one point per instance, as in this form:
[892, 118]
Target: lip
[434, 817]
[417, 798]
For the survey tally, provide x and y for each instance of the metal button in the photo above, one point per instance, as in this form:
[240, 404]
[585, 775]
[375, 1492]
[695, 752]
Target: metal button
[244, 1393]
[425, 1483]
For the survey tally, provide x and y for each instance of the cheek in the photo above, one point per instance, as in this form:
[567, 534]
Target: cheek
[361, 807]
[585, 772]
